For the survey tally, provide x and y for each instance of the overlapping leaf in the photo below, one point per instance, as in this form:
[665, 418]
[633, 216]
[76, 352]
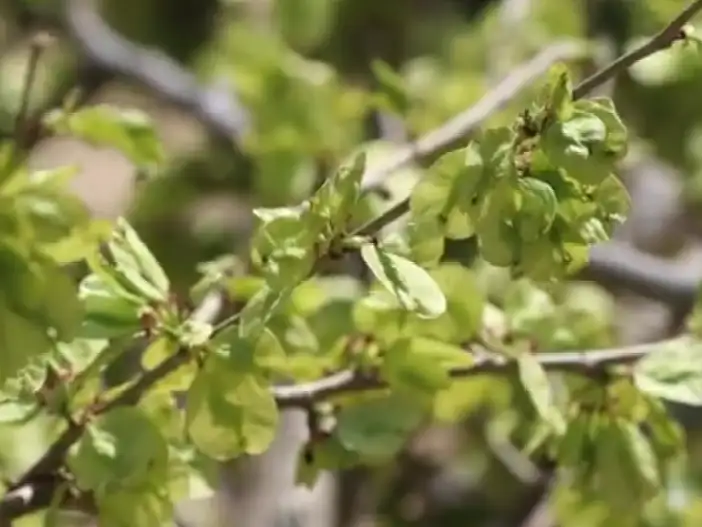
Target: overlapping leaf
[230, 412]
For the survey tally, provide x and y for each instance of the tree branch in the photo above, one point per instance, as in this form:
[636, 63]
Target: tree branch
[452, 133]
[584, 362]
[159, 73]
[643, 274]
[106, 50]
[670, 34]
[28, 493]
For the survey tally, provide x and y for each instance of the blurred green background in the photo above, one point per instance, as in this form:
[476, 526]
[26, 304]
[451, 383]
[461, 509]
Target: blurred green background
[316, 78]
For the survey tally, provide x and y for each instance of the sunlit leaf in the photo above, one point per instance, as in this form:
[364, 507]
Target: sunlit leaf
[412, 286]
[229, 412]
[535, 381]
[120, 449]
[129, 131]
[672, 371]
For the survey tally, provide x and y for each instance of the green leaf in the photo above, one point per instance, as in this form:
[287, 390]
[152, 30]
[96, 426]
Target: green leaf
[161, 349]
[613, 201]
[498, 240]
[558, 93]
[120, 449]
[617, 135]
[20, 340]
[325, 455]
[230, 413]
[147, 506]
[465, 301]
[284, 245]
[412, 286]
[422, 365]
[107, 315]
[584, 128]
[378, 428]
[82, 240]
[333, 203]
[672, 371]
[573, 447]
[576, 145]
[134, 270]
[426, 241]
[35, 288]
[129, 131]
[531, 311]
[259, 310]
[451, 191]
[263, 356]
[17, 408]
[466, 396]
[627, 470]
[666, 434]
[536, 383]
[142, 258]
[379, 314]
[50, 297]
[537, 209]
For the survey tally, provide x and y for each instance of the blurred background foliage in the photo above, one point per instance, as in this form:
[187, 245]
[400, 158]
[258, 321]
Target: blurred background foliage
[319, 77]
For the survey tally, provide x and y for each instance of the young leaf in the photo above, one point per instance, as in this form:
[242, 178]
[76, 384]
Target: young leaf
[421, 365]
[259, 310]
[127, 269]
[333, 203]
[107, 315]
[667, 435]
[537, 209]
[229, 412]
[144, 506]
[451, 191]
[603, 108]
[18, 408]
[129, 131]
[161, 349]
[558, 93]
[20, 340]
[536, 383]
[627, 469]
[120, 449]
[465, 301]
[426, 241]
[412, 286]
[284, 245]
[672, 371]
[144, 260]
[574, 443]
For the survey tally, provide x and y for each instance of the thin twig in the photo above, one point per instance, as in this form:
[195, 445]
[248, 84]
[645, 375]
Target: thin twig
[302, 395]
[432, 144]
[46, 467]
[450, 134]
[670, 34]
[217, 108]
[457, 129]
[454, 131]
